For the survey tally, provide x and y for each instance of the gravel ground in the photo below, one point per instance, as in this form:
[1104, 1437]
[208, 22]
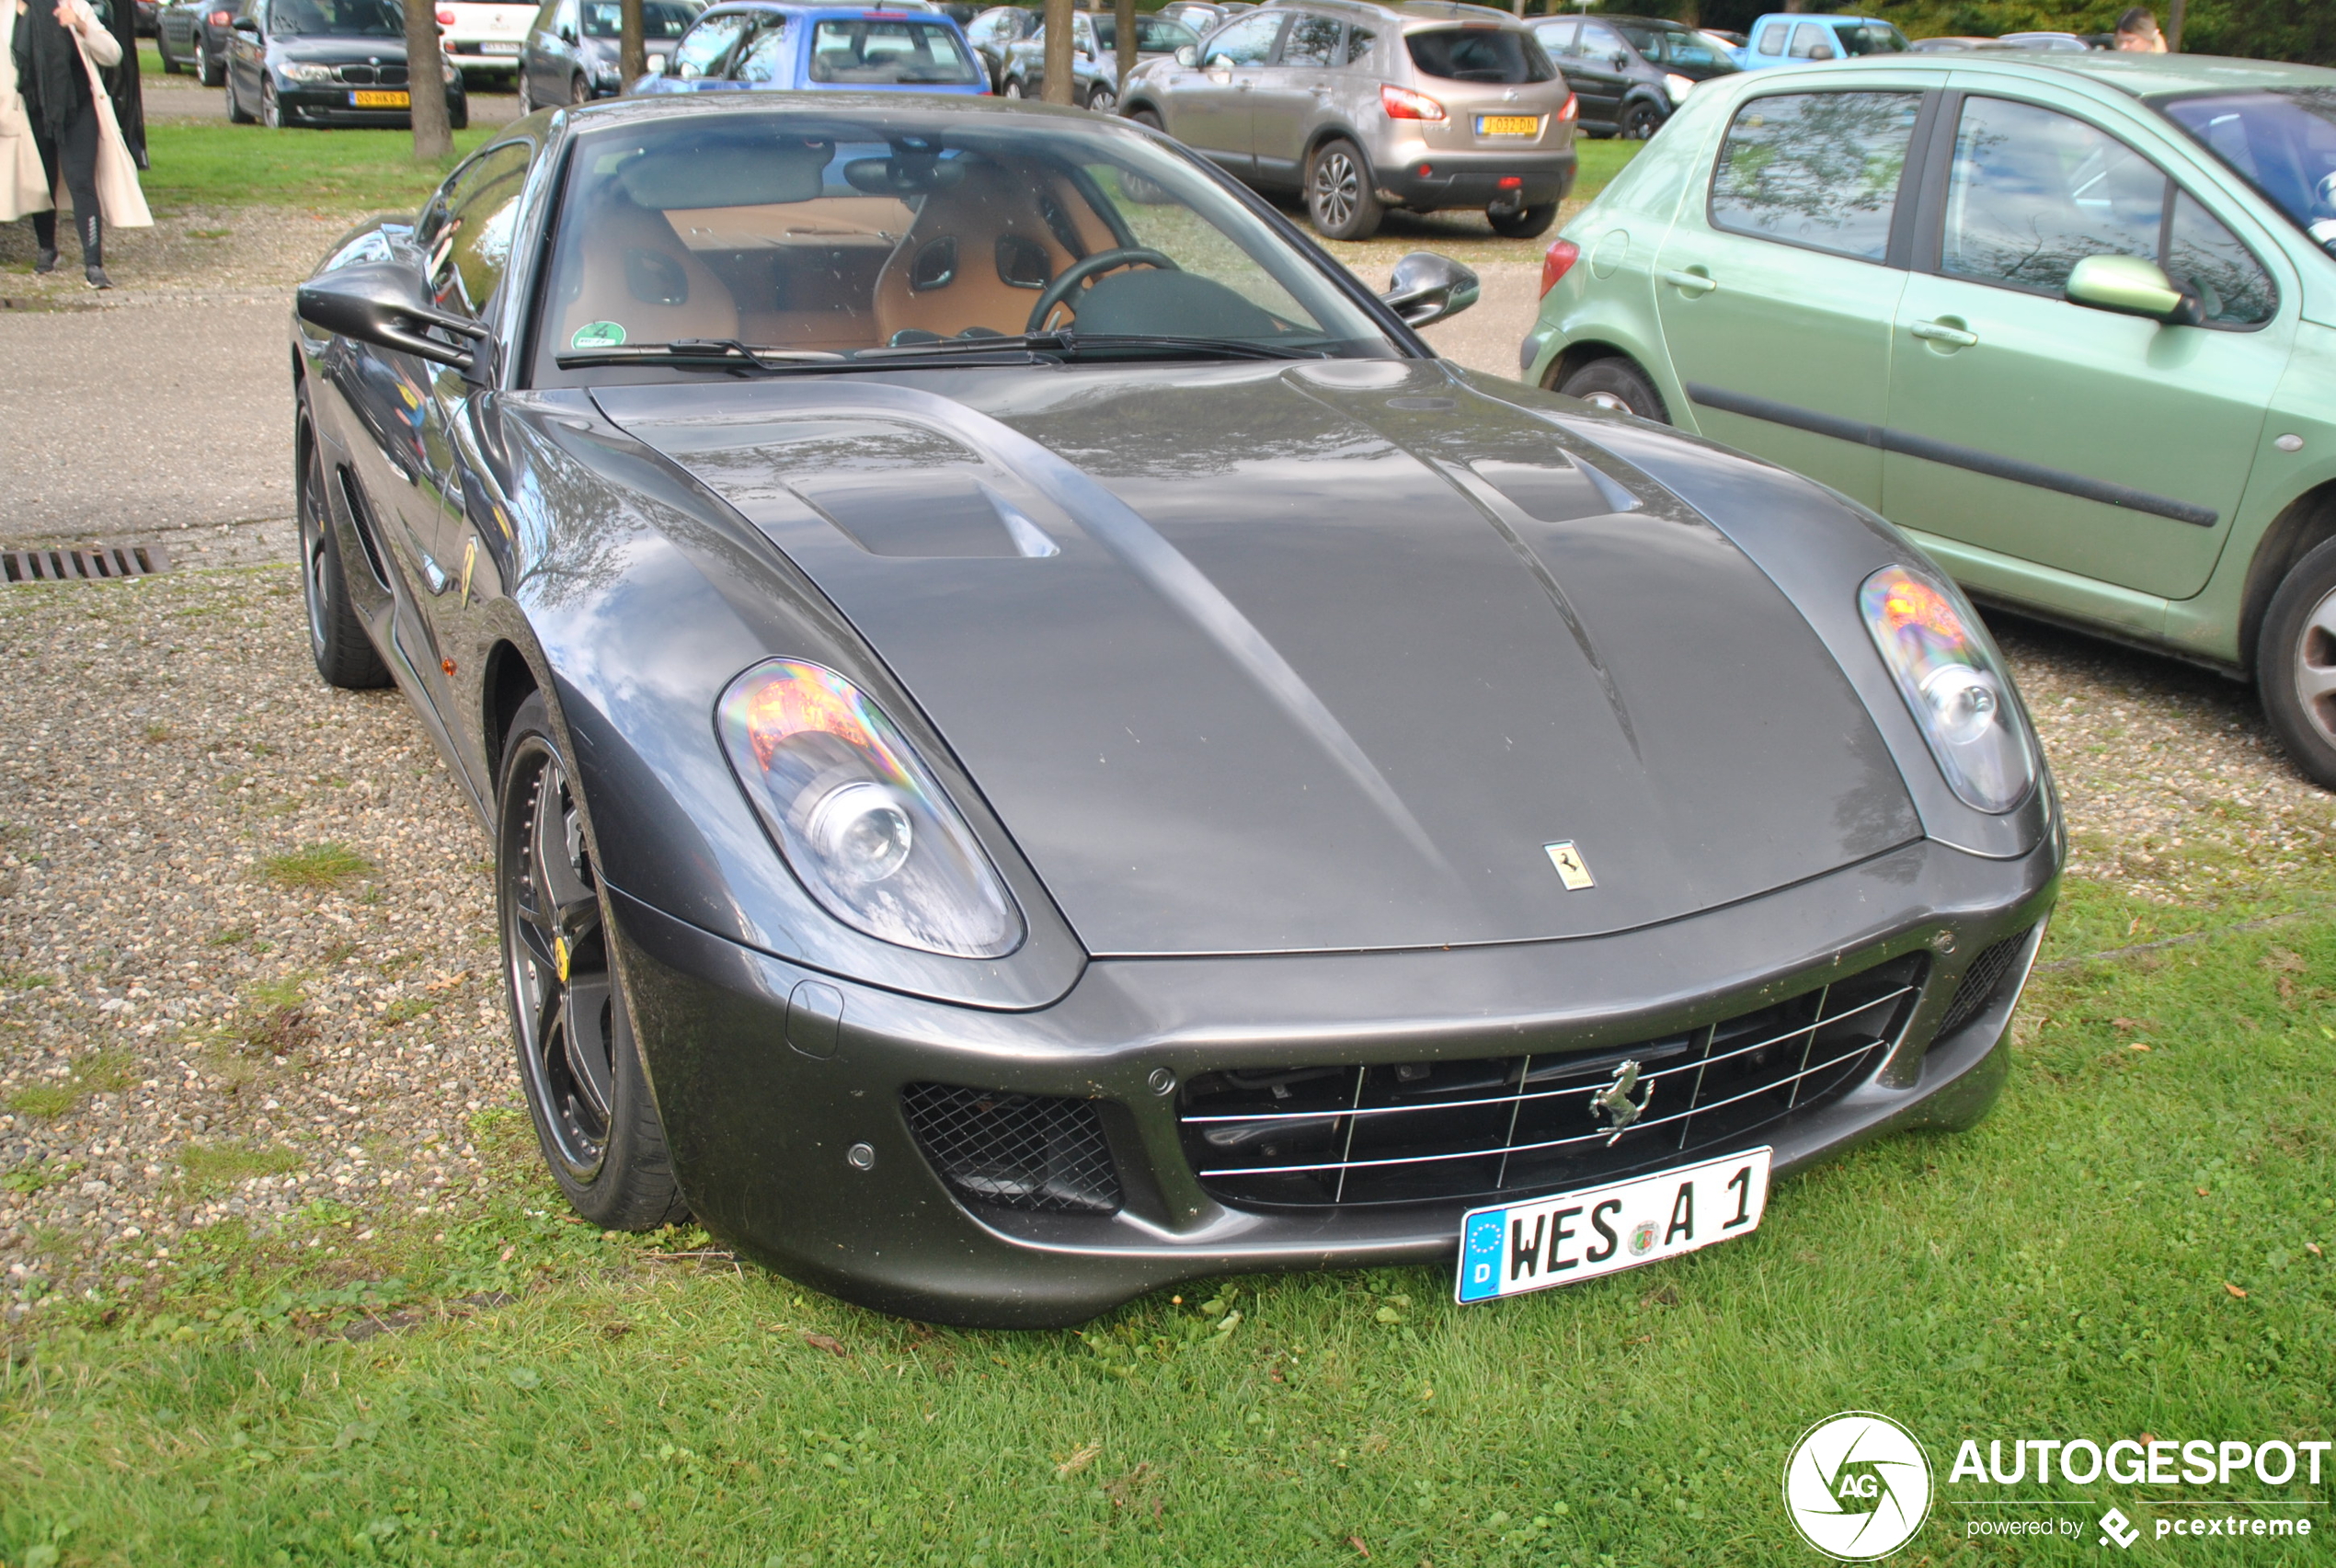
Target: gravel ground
[184, 1038]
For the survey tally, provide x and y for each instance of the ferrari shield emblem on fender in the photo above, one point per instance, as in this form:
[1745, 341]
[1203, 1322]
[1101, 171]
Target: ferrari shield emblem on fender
[1614, 1101]
[1572, 869]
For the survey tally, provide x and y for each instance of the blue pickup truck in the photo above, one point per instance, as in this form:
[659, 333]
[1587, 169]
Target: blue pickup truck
[1796, 38]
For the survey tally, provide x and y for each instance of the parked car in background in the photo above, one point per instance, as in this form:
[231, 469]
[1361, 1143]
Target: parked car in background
[2062, 42]
[1629, 73]
[484, 37]
[1094, 57]
[325, 63]
[2082, 360]
[192, 36]
[572, 52]
[1204, 17]
[1945, 45]
[993, 32]
[1421, 105]
[763, 44]
[1798, 38]
[148, 20]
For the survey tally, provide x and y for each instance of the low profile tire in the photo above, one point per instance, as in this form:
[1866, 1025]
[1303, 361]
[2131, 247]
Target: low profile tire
[1145, 117]
[1338, 192]
[577, 1062]
[1617, 384]
[1639, 121]
[236, 113]
[1525, 222]
[345, 656]
[2296, 664]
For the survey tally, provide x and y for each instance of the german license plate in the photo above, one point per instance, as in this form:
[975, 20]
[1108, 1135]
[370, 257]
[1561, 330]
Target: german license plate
[380, 100]
[1519, 1247]
[499, 49]
[1508, 125]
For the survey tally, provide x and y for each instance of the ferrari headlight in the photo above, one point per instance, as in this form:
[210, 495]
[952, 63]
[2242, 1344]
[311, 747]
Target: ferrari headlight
[856, 815]
[297, 71]
[1952, 679]
[1676, 86]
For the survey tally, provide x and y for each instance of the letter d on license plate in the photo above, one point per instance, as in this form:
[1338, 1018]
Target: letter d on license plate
[1557, 1241]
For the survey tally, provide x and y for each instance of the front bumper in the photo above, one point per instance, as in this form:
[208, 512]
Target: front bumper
[1472, 178]
[762, 1132]
[469, 54]
[321, 105]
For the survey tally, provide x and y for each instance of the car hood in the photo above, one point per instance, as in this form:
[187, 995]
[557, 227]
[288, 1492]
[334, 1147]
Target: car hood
[340, 50]
[1268, 657]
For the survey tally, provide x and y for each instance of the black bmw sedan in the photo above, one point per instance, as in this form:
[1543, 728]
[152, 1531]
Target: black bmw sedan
[1041, 744]
[325, 63]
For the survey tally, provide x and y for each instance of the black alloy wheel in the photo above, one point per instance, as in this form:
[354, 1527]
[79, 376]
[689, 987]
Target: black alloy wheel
[1619, 386]
[586, 1091]
[1522, 223]
[1641, 121]
[2296, 664]
[1338, 193]
[344, 657]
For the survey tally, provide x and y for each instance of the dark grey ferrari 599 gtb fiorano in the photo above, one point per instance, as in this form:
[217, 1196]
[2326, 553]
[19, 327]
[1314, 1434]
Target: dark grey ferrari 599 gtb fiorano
[1040, 744]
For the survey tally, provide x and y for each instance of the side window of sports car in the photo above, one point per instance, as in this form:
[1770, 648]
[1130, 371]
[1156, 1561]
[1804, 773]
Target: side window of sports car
[1818, 169]
[468, 227]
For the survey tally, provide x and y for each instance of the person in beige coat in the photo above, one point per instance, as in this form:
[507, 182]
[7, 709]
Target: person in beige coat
[24, 186]
[57, 48]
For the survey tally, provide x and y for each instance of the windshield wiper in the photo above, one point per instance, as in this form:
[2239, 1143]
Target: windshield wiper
[719, 354]
[1075, 344]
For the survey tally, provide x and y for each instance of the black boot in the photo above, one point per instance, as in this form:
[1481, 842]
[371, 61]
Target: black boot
[93, 252]
[44, 241]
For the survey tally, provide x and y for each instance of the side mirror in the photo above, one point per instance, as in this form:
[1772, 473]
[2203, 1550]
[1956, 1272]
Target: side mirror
[568, 35]
[2127, 285]
[657, 66]
[1622, 61]
[1427, 288]
[246, 25]
[386, 304]
[1187, 55]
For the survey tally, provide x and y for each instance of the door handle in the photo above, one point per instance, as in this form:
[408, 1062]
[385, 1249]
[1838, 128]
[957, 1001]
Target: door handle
[1691, 283]
[1940, 332]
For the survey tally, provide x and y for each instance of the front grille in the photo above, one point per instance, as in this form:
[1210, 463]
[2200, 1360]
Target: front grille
[1026, 1151]
[361, 75]
[1979, 983]
[1309, 1137]
[366, 76]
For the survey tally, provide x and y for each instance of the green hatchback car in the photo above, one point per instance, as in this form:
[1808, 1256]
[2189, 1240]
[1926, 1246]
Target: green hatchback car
[2068, 319]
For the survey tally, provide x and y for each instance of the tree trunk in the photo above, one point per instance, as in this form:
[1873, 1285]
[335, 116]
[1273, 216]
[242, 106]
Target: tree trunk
[2173, 26]
[1124, 30]
[426, 83]
[632, 45]
[1057, 87]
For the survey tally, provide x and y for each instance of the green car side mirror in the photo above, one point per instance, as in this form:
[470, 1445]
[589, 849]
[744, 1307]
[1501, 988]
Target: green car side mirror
[2127, 285]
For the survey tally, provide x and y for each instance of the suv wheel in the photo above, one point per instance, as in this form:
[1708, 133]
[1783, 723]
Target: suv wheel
[1145, 118]
[1014, 89]
[1522, 223]
[1338, 193]
[208, 72]
[2296, 664]
[1618, 385]
[1102, 100]
[1639, 121]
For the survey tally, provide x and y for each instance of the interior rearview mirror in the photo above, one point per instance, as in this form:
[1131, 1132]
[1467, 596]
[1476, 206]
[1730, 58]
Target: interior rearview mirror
[2127, 285]
[386, 304]
[1427, 288]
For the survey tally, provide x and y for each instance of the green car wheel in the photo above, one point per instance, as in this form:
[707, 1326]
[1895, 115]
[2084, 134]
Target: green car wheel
[2296, 664]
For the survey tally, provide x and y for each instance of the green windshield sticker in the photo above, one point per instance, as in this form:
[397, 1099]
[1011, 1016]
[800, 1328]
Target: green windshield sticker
[597, 335]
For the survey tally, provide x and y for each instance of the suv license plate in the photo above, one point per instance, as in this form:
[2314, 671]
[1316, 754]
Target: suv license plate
[380, 100]
[1576, 1236]
[1508, 125]
[499, 49]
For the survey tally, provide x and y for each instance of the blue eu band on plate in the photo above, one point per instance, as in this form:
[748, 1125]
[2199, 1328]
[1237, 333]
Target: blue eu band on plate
[1519, 1247]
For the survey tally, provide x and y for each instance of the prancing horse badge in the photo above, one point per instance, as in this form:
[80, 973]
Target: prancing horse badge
[1572, 869]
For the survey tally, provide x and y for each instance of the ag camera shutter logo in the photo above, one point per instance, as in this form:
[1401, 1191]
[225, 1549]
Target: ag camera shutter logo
[1857, 1486]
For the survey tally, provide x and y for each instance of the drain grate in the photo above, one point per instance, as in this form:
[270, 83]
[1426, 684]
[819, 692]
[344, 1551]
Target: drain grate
[93, 564]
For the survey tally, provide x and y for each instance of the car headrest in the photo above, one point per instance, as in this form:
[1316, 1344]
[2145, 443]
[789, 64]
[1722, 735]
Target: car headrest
[725, 171]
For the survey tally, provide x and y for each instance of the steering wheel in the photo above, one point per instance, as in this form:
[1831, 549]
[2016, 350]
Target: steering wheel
[1078, 272]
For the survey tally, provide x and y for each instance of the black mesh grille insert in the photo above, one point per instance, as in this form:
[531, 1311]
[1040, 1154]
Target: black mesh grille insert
[1309, 1136]
[1979, 983]
[1025, 1152]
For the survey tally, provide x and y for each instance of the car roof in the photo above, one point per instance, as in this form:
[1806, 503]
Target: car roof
[1421, 11]
[797, 8]
[1663, 24]
[2138, 76]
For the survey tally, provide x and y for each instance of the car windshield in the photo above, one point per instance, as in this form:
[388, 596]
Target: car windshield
[335, 18]
[2282, 141]
[864, 51]
[659, 19]
[1676, 46]
[1154, 35]
[1479, 54]
[858, 241]
[1870, 37]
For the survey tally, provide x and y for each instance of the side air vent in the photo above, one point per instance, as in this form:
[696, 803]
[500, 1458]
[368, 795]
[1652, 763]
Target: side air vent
[1024, 1151]
[1980, 983]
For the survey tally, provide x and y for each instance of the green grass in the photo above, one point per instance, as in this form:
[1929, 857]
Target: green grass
[200, 165]
[2071, 1267]
[101, 1072]
[317, 867]
[213, 1167]
[1599, 162]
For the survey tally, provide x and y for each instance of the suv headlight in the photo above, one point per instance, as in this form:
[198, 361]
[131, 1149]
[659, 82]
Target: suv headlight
[1677, 87]
[1954, 680]
[298, 71]
[858, 817]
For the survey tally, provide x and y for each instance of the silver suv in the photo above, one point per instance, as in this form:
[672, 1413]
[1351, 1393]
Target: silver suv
[1424, 105]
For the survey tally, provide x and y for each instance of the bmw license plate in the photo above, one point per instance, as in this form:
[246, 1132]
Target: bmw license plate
[1508, 125]
[379, 100]
[1575, 1236]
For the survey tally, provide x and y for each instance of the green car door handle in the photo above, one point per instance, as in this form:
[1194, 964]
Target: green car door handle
[1940, 332]
[1689, 282]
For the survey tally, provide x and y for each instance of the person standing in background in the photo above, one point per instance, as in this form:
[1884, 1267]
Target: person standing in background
[24, 186]
[57, 50]
[2137, 32]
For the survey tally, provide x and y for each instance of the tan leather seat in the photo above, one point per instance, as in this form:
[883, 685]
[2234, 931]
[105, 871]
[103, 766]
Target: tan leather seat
[997, 222]
[636, 272]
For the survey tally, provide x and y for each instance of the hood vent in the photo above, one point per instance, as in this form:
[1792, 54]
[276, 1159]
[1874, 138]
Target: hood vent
[926, 515]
